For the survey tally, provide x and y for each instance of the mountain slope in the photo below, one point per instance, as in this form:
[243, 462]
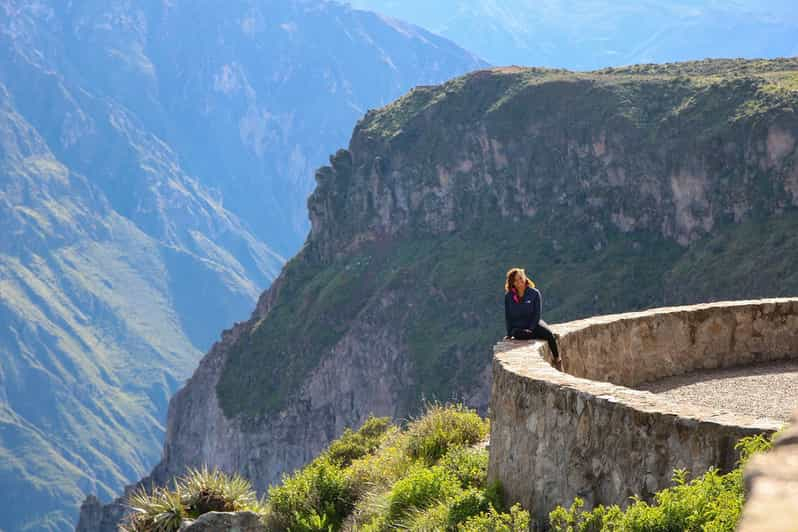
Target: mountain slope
[618, 190]
[251, 95]
[595, 34]
[148, 173]
[93, 345]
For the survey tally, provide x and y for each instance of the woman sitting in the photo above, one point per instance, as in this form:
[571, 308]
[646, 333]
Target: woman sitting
[522, 307]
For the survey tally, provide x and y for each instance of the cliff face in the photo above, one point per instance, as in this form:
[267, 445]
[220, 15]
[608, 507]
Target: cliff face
[618, 189]
[626, 150]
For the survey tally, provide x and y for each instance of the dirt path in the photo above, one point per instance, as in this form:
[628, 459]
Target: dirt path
[768, 389]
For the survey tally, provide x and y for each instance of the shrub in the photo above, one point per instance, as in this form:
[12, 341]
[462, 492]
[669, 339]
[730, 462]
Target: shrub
[466, 505]
[197, 492]
[379, 478]
[161, 510]
[353, 445]
[380, 470]
[443, 428]
[213, 491]
[318, 493]
[420, 489]
[468, 465]
[370, 513]
[436, 517]
[517, 520]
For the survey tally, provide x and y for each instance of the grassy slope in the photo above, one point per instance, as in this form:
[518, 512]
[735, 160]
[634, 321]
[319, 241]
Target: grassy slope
[455, 286]
[68, 373]
[93, 345]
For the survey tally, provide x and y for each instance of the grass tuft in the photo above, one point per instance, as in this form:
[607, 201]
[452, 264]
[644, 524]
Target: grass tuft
[197, 492]
[442, 429]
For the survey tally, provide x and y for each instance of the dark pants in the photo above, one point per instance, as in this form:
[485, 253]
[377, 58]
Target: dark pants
[540, 332]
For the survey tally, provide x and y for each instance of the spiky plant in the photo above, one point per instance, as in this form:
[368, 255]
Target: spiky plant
[205, 490]
[161, 510]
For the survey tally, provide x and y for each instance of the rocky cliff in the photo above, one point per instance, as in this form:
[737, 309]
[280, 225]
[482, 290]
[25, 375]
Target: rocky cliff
[617, 189]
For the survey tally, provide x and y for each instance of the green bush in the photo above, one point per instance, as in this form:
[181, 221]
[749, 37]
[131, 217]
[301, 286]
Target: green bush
[468, 465]
[213, 491]
[420, 489]
[443, 428]
[161, 510]
[321, 492]
[712, 501]
[380, 478]
[517, 520]
[353, 445]
[466, 505]
[435, 517]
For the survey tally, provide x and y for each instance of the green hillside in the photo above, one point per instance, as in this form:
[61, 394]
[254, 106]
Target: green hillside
[618, 190]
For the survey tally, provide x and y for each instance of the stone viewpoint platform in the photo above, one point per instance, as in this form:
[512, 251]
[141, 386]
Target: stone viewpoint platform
[587, 432]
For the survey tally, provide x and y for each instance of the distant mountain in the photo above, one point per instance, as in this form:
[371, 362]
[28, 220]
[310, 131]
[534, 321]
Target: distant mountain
[154, 163]
[592, 34]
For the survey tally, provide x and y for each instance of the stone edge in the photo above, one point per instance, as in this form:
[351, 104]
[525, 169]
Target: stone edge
[513, 356]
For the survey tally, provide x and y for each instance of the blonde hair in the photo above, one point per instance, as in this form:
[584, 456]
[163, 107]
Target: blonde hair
[510, 279]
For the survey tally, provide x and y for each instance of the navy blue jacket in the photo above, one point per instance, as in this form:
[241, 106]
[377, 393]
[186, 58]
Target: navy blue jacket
[526, 313]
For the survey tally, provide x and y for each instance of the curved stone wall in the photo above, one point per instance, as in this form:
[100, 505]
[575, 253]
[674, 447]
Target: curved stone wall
[584, 433]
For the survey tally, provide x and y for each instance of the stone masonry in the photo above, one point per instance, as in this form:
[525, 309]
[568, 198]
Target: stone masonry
[771, 486]
[583, 432]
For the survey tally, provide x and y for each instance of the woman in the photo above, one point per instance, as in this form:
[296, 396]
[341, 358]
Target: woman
[522, 305]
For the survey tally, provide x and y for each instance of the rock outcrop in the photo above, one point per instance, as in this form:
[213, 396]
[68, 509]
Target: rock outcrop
[224, 522]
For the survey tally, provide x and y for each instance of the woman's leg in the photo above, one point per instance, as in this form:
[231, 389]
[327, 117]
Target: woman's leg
[522, 334]
[543, 332]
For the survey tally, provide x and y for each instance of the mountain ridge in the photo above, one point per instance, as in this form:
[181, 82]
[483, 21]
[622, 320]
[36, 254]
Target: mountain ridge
[595, 34]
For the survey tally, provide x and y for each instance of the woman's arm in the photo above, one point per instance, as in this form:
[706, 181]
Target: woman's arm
[537, 305]
[507, 312]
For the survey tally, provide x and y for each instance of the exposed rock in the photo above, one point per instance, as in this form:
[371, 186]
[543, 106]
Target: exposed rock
[96, 517]
[224, 522]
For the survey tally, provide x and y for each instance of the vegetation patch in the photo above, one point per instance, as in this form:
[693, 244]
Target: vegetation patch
[427, 476]
[197, 492]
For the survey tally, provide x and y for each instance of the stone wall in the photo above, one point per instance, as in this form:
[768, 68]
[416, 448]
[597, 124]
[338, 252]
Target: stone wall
[771, 486]
[583, 433]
